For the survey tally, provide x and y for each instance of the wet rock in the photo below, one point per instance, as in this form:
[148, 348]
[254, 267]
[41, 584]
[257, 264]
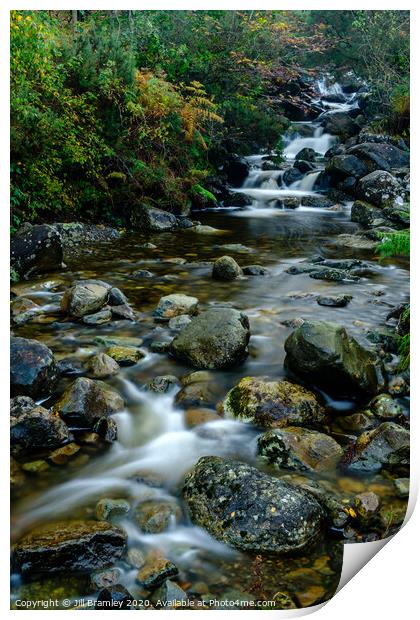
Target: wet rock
[76, 234]
[85, 401]
[385, 407]
[402, 487]
[160, 346]
[135, 557]
[163, 383]
[388, 446]
[340, 124]
[356, 422]
[125, 356]
[307, 154]
[367, 505]
[33, 369]
[255, 270]
[85, 298]
[142, 273]
[217, 338]
[99, 318]
[201, 229]
[226, 268]
[151, 219]
[367, 215]
[376, 156]
[249, 510]
[342, 166]
[236, 247]
[333, 275]
[35, 429]
[155, 516]
[354, 242]
[70, 366]
[108, 509]
[198, 416]
[101, 366]
[116, 297]
[23, 310]
[291, 175]
[317, 202]
[304, 166]
[179, 322]
[339, 301]
[123, 312]
[36, 249]
[175, 305]
[17, 476]
[198, 388]
[156, 570]
[119, 341]
[272, 404]
[61, 456]
[169, 595]
[236, 169]
[107, 429]
[300, 449]
[105, 578]
[35, 467]
[114, 597]
[73, 546]
[325, 353]
[380, 188]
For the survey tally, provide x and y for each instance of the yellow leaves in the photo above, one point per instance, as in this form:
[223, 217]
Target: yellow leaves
[351, 512]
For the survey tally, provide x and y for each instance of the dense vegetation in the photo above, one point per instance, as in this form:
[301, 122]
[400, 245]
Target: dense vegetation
[110, 108]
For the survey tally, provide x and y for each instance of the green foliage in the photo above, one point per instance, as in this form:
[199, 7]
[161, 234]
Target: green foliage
[394, 244]
[204, 193]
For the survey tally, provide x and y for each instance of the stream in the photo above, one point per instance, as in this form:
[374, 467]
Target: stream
[155, 446]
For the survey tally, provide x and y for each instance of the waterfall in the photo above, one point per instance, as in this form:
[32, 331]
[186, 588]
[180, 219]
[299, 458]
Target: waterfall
[320, 142]
[307, 184]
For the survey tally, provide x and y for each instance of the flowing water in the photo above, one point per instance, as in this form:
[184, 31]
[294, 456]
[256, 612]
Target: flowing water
[155, 447]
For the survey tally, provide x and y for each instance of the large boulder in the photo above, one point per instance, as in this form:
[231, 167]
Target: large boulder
[388, 446]
[380, 188]
[151, 219]
[342, 166]
[380, 156]
[367, 215]
[324, 353]
[272, 404]
[340, 124]
[33, 369]
[69, 546]
[217, 338]
[226, 268]
[34, 428]
[174, 305]
[300, 449]
[249, 510]
[85, 401]
[236, 169]
[85, 298]
[36, 249]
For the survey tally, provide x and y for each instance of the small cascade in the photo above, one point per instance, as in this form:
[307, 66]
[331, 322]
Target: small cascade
[307, 184]
[320, 142]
